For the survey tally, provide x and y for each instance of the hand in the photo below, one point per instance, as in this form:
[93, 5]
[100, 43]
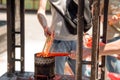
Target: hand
[118, 56]
[72, 55]
[47, 31]
[86, 53]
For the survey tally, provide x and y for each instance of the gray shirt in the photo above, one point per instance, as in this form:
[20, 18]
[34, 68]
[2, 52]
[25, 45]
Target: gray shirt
[58, 25]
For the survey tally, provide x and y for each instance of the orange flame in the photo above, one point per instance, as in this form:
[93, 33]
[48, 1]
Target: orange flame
[46, 49]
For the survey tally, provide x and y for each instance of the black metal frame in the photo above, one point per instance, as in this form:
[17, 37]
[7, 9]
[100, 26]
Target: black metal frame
[96, 36]
[11, 38]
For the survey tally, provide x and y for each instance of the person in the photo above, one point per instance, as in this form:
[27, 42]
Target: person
[63, 40]
[113, 33]
[106, 49]
[62, 37]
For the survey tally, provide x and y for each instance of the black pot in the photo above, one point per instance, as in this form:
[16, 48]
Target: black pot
[44, 68]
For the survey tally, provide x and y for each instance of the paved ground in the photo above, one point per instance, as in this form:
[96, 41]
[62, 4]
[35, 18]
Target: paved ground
[34, 41]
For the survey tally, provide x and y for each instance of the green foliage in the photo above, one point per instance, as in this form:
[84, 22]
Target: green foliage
[30, 4]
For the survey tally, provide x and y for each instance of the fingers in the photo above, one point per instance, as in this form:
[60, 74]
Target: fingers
[47, 31]
[118, 57]
[72, 55]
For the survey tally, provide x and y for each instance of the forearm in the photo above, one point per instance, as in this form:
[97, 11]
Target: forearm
[110, 48]
[107, 49]
[41, 15]
[42, 19]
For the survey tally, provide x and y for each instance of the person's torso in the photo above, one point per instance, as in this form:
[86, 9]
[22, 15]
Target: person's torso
[58, 25]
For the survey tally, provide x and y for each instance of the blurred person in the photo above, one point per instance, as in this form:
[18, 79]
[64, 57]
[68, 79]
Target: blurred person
[113, 34]
[63, 40]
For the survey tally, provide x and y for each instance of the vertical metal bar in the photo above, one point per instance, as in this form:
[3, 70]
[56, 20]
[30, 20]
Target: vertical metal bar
[80, 29]
[10, 37]
[106, 3]
[13, 36]
[98, 75]
[95, 34]
[17, 23]
[91, 2]
[22, 33]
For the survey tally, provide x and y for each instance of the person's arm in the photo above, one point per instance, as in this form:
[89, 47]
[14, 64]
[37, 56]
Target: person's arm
[42, 16]
[108, 49]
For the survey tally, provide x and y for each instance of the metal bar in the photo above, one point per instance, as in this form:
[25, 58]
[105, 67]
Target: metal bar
[87, 62]
[106, 3]
[13, 32]
[17, 45]
[95, 34]
[22, 33]
[99, 17]
[80, 29]
[17, 59]
[10, 28]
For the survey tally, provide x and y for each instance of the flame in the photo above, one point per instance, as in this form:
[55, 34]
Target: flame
[46, 49]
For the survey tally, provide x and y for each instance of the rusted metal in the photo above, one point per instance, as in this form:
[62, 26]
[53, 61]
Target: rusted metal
[80, 29]
[10, 35]
[95, 34]
[95, 48]
[15, 10]
[22, 30]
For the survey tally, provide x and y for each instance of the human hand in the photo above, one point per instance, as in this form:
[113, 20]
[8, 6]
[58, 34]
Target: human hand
[86, 53]
[47, 31]
[118, 56]
[73, 54]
